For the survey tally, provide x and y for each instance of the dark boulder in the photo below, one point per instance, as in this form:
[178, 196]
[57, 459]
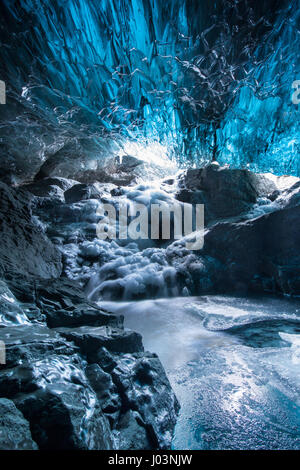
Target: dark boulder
[24, 249]
[77, 395]
[145, 388]
[57, 302]
[106, 391]
[133, 433]
[44, 376]
[80, 192]
[14, 429]
[45, 190]
[28, 343]
[65, 415]
[63, 303]
[225, 192]
[91, 339]
[261, 254]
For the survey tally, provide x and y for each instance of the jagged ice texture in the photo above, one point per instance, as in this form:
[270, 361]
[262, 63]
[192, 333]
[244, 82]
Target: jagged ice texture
[199, 79]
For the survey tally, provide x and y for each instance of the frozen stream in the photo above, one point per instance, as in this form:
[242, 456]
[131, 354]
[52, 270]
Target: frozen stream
[234, 364]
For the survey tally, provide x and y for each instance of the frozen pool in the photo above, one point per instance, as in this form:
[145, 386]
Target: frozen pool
[234, 364]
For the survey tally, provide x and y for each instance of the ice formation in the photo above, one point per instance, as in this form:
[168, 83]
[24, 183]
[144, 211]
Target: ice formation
[195, 80]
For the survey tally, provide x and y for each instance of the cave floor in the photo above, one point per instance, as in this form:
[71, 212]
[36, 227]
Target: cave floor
[233, 363]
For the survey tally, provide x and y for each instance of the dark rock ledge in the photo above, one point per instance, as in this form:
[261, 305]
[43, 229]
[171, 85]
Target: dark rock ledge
[74, 377]
[248, 247]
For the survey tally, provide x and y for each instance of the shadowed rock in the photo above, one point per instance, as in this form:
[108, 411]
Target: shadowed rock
[225, 192]
[81, 191]
[261, 254]
[14, 429]
[91, 339]
[144, 386]
[24, 249]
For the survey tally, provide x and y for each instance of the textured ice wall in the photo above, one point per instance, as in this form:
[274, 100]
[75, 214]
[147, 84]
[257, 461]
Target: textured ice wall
[206, 79]
[261, 128]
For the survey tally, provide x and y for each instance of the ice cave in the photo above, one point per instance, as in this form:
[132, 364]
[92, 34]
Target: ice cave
[120, 334]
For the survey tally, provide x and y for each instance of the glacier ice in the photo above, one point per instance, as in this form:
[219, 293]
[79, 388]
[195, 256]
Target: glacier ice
[204, 80]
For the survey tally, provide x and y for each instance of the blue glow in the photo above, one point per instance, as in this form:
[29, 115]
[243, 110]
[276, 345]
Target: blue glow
[206, 79]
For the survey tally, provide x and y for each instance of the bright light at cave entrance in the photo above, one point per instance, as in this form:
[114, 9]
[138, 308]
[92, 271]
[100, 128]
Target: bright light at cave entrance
[153, 153]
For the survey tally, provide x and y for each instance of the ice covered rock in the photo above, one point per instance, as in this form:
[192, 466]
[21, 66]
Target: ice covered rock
[144, 385]
[90, 339]
[68, 164]
[70, 388]
[14, 429]
[56, 303]
[28, 343]
[11, 312]
[80, 192]
[63, 303]
[132, 433]
[64, 412]
[105, 390]
[24, 246]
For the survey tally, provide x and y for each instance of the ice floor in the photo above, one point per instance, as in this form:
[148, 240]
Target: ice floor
[234, 364]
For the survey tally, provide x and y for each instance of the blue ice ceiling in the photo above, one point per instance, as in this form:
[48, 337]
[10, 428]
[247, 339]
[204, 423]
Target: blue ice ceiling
[205, 79]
